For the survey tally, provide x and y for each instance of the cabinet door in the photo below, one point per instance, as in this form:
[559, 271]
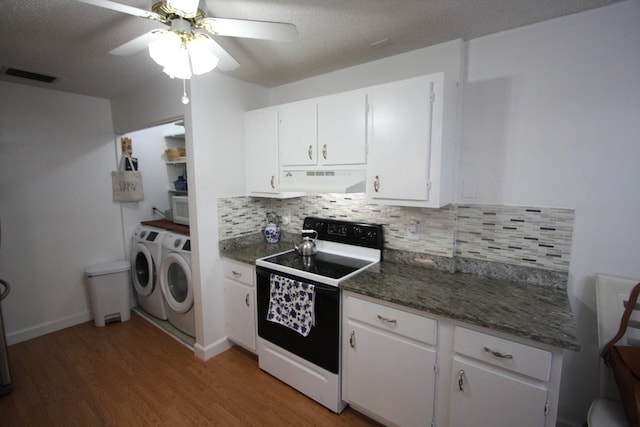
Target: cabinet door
[261, 136]
[400, 140]
[240, 314]
[298, 133]
[491, 398]
[342, 125]
[388, 376]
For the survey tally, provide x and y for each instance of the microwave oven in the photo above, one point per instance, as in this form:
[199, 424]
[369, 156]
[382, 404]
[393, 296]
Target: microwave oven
[180, 206]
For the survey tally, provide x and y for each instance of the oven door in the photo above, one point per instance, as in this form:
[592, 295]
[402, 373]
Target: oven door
[322, 346]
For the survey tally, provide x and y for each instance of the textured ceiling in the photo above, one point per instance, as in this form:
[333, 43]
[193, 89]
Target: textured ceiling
[72, 40]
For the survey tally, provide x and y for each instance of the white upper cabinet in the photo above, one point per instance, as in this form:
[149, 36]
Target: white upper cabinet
[298, 133]
[326, 131]
[342, 129]
[403, 133]
[412, 142]
[261, 137]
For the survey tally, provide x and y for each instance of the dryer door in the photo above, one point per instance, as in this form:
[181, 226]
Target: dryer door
[175, 282]
[144, 270]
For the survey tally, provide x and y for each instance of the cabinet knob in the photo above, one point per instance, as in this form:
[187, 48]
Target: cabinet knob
[324, 151]
[246, 300]
[376, 184]
[311, 152]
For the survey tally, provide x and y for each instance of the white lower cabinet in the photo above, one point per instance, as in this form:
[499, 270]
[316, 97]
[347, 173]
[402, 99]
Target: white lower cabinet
[497, 382]
[240, 304]
[485, 397]
[403, 368]
[388, 363]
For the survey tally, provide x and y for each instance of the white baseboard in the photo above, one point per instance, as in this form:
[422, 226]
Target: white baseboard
[48, 327]
[211, 350]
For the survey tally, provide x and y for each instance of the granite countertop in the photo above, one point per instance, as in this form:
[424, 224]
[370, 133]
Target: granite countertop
[535, 312]
[249, 253]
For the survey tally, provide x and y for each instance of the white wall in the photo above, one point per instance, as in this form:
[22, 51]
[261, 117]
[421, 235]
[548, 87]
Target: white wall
[56, 155]
[217, 169]
[443, 57]
[550, 118]
[155, 103]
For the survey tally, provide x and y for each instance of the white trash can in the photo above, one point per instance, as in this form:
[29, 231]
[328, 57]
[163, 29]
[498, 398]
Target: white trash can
[109, 289]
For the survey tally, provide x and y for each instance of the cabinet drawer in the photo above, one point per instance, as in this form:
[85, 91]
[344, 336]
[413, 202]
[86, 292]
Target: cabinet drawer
[242, 273]
[397, 321]
[530, 361]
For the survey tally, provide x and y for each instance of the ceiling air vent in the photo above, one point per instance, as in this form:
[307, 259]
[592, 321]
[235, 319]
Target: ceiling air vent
[29, 75]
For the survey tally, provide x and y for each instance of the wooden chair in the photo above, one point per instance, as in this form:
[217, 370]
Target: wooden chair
[612, 293]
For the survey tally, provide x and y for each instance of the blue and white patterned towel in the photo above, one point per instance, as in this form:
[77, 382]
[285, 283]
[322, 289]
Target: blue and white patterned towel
[291, 304]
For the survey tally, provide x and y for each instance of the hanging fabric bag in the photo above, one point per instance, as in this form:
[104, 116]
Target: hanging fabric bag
[127, 184]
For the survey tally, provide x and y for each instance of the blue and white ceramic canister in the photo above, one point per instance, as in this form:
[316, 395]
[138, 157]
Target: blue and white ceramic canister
[272, 233]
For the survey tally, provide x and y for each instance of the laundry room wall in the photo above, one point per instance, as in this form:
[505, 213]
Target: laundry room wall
[214, 120]
[149, 147]
[56, 155]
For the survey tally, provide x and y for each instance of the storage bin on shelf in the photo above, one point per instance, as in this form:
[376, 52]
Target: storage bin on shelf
[175, 154]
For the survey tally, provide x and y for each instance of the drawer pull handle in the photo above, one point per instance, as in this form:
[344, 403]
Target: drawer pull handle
[352, 339]
[273, 184]
[387, 320]
[376, 184]
[324, 151]
[246, 300]
[460, 380]
[498, 354]
[235, 273]
[310, 152]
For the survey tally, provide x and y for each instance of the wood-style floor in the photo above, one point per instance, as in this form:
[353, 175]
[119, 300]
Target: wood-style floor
[133, 374]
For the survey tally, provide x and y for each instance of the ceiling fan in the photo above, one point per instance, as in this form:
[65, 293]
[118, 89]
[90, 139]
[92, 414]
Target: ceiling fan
[186, 47]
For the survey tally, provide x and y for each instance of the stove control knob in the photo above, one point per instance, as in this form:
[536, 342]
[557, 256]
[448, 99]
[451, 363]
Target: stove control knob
[372, 235]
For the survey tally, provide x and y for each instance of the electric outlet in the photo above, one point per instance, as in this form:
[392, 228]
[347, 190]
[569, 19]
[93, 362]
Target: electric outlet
[413, 231]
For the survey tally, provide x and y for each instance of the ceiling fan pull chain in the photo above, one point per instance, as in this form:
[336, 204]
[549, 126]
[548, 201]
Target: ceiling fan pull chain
[185, 98]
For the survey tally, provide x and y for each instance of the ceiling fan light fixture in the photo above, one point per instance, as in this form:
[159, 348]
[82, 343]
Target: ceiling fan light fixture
[181, 55]
[164, 49]
[179, 66]
[202, 60]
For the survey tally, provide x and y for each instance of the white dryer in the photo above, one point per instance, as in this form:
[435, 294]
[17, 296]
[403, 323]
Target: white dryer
[176, 284]
[146, 256]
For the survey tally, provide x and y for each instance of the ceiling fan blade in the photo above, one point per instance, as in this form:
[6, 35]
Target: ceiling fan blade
[265, 30]
[226, 61]
[119, 7]
[136, 45]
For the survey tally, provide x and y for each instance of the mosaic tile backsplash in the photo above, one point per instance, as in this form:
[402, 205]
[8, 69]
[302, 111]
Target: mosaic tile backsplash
[523, 236]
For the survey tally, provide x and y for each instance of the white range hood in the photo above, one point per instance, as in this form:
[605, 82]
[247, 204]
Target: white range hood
[324, 181]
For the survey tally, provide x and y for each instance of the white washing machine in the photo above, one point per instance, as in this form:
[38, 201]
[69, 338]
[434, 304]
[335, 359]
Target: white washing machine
[146, 256]
[176, 284]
